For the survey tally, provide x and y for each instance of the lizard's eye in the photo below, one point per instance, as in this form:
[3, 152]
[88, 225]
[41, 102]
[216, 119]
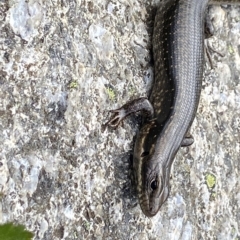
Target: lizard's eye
[154, 185]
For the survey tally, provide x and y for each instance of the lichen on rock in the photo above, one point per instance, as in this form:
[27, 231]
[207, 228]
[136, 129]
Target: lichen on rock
[64, 64]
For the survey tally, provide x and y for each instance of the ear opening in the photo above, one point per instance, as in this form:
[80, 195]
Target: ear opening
[144, 154]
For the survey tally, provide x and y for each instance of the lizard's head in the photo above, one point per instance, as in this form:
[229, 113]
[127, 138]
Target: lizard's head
[155, 187]
[151, 173]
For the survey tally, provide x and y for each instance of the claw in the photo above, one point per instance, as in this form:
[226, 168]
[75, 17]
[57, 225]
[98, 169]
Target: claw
[136, 105]
[119, 115]
[114, 110]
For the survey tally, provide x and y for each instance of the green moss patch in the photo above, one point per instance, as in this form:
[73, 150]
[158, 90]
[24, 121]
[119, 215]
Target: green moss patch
[210, 180]
[111, 94]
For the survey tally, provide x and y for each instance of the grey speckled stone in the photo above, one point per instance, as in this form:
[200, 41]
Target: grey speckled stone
[63, 65]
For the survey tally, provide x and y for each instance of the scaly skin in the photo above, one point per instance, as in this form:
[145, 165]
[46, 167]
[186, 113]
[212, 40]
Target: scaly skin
[178, 62]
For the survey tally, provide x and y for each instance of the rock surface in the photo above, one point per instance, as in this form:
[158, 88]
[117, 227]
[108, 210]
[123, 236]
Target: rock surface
[63, 65]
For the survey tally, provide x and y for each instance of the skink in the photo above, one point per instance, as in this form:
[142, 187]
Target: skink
[172, 105]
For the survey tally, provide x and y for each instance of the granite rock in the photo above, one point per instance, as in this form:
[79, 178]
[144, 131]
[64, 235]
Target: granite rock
[64, 64]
